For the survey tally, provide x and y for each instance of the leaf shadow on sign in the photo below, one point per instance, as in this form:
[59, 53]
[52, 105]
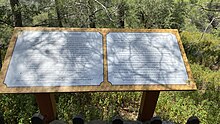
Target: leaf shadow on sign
[44, 58]
[144, 59]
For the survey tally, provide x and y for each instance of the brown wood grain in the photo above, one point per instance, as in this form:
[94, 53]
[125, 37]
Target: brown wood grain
[47, 105]
[148, 105]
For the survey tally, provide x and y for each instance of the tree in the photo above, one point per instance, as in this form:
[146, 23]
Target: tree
[58, 11]
[16, 10]
[205, 15]
[213, 13]
[122, 8]
[157, 14]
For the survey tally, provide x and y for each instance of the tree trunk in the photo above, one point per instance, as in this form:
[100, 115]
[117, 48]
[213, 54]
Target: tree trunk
[58, 11]
[92, 20]
[16, 11]
[121, 15]
[92, 16]
[211, 15]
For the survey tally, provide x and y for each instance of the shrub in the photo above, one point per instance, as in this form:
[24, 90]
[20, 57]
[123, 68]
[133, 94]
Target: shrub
[204, 103]
[202, 50]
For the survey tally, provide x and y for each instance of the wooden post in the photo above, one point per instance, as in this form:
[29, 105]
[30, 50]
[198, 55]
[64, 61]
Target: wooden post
[47, 105]
[148, 105]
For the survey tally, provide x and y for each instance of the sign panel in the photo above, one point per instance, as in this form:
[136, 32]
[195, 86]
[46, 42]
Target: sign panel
[87, 59]
[56, 58]
[144, 58]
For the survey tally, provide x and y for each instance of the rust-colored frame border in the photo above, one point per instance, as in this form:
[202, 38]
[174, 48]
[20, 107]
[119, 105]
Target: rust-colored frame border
[105, 85]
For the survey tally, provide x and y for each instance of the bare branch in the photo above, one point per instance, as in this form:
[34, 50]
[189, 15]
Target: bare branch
[106, 10]
[7, 23]
[213, 19]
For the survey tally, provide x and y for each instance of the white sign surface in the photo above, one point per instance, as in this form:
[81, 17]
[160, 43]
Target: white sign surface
[144, 58]
[57, 58]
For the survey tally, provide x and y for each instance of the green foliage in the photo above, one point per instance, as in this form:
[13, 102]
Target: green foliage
[179, 15]
[5, 25]
[17, 108]
[204, 15]
[5, 35]
[5, 15]
[96, 105]
[161, 13]
[203, 51]
[204, 103]
[201, 48]
[192, 17]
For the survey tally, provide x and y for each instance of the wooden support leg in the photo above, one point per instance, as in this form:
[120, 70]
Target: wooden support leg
[148, 105]
[47, 105]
